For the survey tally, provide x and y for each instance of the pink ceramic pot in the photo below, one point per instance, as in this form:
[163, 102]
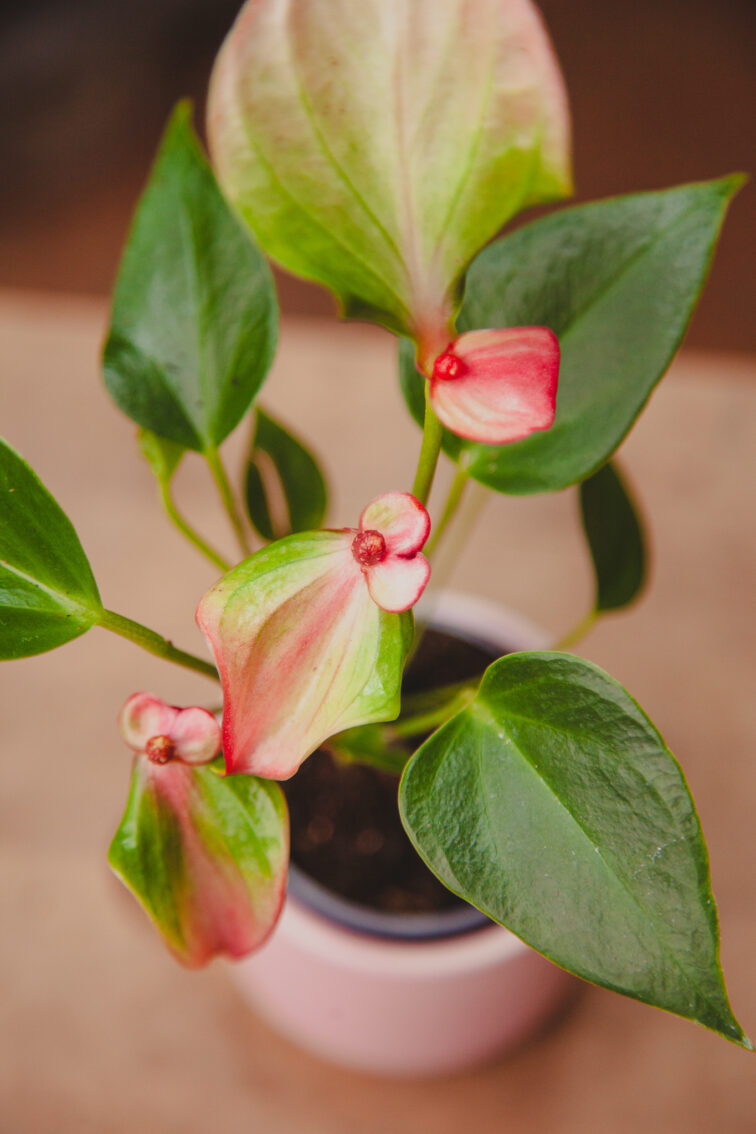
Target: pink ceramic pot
[440, 1000]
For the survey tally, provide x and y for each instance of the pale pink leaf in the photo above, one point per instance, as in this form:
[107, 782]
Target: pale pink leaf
[196, 735]
[144, 717]
[396, 584]
[400, 518]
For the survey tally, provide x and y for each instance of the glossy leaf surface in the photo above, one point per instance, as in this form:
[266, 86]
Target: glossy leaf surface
[615, 538]
[376, 147]
[194, 320]
[553, 805]
[301, 481]
[617, 282]
[48, 595]
[206, 856]
[302, 649]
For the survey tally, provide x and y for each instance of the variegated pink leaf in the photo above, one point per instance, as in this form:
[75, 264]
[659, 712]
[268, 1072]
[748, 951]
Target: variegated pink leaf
[310, 635]
[205, 854]
[376, 146]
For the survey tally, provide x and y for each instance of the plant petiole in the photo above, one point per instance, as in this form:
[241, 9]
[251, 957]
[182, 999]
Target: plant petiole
[154, 643]
[188, 531]
[578, 632]
[213, 458]
[456, 491]
[429, 452]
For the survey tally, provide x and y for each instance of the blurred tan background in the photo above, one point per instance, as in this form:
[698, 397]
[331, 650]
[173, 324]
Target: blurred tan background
[101, 1032]
[662, 91]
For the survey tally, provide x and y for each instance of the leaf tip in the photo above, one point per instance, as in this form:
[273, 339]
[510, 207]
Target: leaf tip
[732, 184]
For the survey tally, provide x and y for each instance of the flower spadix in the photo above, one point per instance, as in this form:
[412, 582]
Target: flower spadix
[204, 853]
[311, 633]
[497, 386]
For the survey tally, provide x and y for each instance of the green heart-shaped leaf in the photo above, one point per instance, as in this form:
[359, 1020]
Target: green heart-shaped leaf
[206, 856]
[194, 320]
[553, 805]
[617, 281]
[48, 594]
[615, 538]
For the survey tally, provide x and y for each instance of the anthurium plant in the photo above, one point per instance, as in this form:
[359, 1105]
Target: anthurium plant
[379, 148]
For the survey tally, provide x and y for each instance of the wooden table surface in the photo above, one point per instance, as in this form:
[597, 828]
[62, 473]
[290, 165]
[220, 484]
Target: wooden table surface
[101, 1031]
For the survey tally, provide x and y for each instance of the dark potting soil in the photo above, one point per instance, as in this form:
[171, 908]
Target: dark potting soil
[345, 828]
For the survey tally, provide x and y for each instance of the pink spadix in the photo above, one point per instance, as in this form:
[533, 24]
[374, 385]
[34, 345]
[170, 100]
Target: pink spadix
[310, 634]
[497, 386]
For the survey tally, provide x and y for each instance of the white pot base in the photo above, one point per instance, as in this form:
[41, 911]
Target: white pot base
[400, 1008]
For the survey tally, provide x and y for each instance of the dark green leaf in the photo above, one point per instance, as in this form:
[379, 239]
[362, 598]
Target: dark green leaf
[553, 805]
[302, 482]
[258, 508]
[48, 595]
[205, 854]
[194, 321]
[615, 538]
[617, 281]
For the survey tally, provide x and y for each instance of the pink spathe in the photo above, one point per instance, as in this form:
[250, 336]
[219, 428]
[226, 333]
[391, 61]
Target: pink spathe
[400, 573]
[497, 386]
[192, 735]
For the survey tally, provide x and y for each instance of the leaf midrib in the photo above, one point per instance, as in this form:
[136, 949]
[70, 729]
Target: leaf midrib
[330, 157]
[331, 234]
[543, 780]
[61, 598]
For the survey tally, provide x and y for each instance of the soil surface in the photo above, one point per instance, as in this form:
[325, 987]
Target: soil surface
[345, 828]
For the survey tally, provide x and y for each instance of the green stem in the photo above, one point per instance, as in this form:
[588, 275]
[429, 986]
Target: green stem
[429, 451]
[154, 643]
[380, 745]
[578, 632]
[426, 722]
[213, 458]
[456, 490]
[186, 530]
[431, 699]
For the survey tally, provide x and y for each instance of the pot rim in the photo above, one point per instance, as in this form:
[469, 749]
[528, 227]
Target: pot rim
[415, 960]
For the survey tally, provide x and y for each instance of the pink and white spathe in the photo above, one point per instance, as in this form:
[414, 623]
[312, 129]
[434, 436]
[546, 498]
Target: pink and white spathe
[311, 633]
[164, 732]
[497, 386]
[386, 547]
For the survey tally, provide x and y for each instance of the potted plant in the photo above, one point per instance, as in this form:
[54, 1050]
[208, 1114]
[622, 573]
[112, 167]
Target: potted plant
[378, 149]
